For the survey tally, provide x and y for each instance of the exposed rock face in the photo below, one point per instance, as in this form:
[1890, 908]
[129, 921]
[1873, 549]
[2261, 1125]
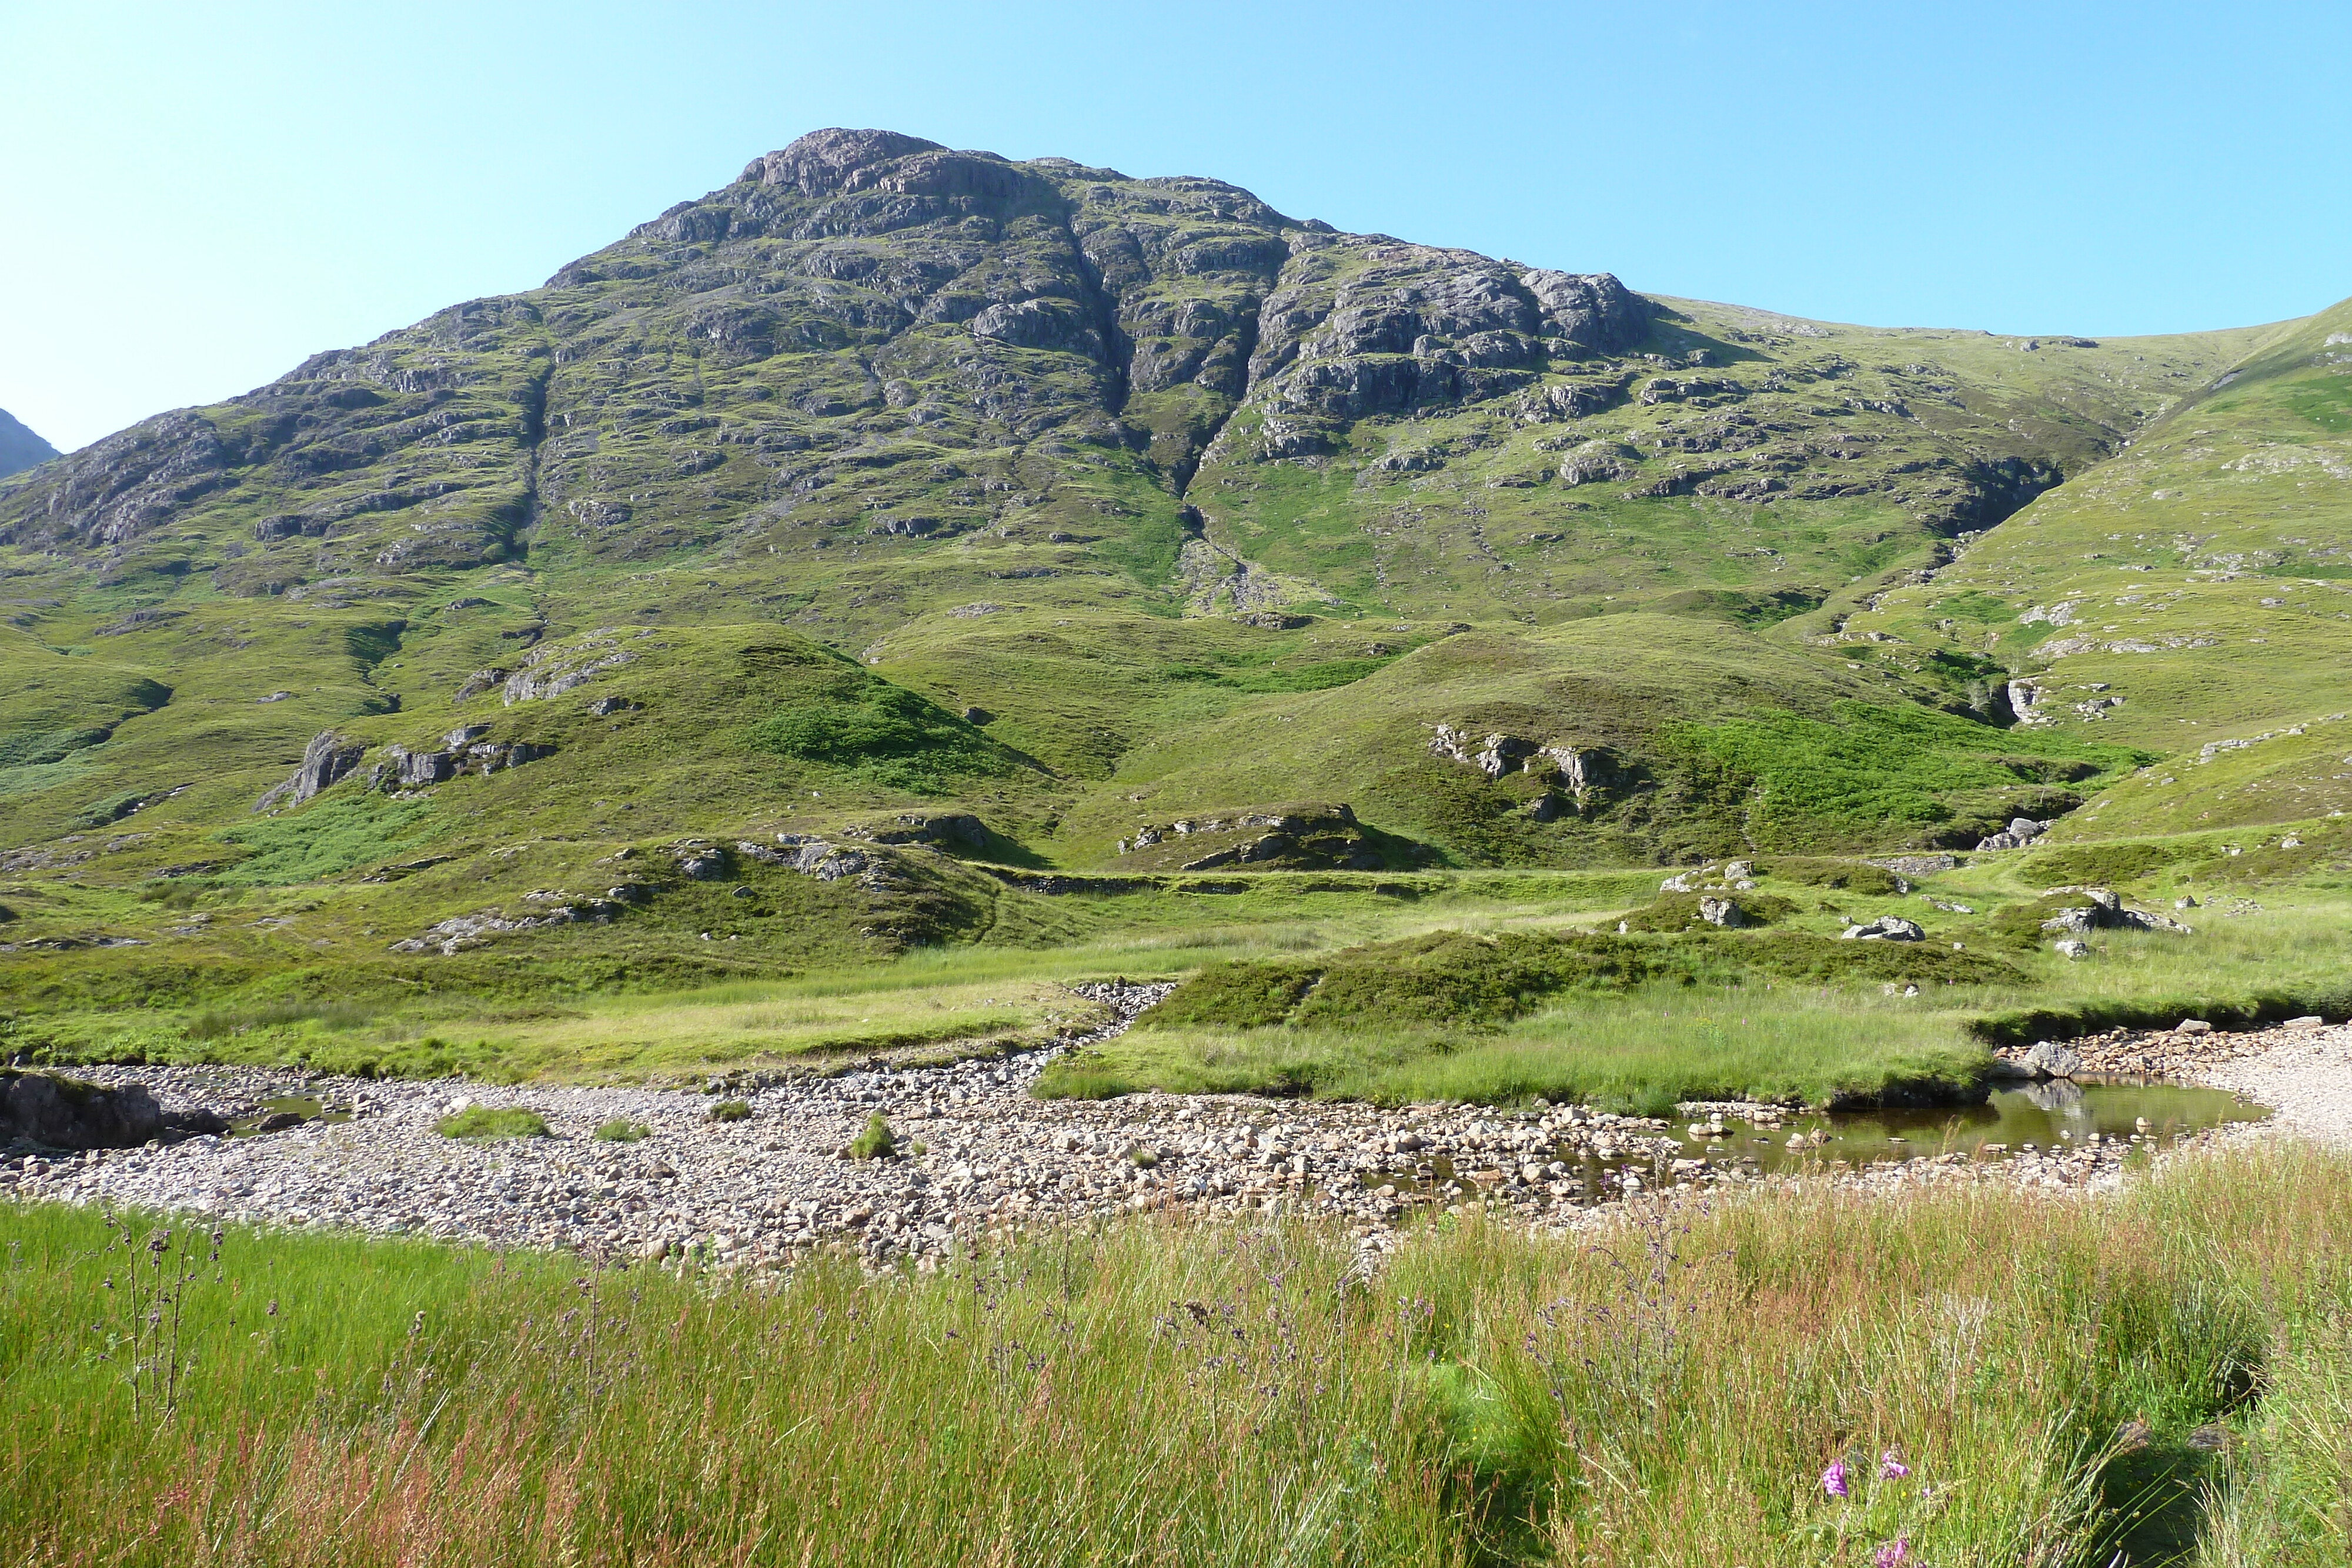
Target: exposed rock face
[1590, 312]
[1293, 838]
[66, 1114]
[328, 758]
[2048, 1059]
[552, 671]
[1584, 771]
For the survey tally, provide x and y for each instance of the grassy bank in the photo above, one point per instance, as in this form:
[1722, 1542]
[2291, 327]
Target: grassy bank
[1662, 1007]
[1478, 985]
[1638, 1054]
[2052, 1370]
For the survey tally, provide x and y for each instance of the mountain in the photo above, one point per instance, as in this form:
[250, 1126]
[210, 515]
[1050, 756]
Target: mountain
[19, 449]
[1052, 516]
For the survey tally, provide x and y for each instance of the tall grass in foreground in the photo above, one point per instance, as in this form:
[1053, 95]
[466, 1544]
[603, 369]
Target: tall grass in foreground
[1668, 1390]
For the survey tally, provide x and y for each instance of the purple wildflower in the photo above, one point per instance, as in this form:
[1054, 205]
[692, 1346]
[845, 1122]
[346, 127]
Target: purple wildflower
[1833, 1479]
[1891, 1467]
[1894, 1555]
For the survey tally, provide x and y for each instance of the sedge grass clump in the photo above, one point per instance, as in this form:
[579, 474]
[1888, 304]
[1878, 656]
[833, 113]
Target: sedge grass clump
[621, 1129]
[876, 1142]
[728, 1111]
[484, 1124]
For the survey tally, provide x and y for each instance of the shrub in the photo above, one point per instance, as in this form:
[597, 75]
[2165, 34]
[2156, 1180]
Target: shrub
[483, 1123]
[621, 1129]
[875, 1142]
[728, 1111]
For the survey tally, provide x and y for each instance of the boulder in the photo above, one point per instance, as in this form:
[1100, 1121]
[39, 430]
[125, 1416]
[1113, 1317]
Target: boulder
[1721, 912]
[2048, 1059]
[66, 1114]
[1885, 928]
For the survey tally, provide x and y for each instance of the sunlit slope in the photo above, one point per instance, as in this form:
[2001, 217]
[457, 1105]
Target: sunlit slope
[1637, 737]
[888, 477]
[1782, 464]
[2195, 588]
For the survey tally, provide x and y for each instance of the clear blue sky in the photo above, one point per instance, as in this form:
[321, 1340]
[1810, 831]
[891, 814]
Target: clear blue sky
[194, 197]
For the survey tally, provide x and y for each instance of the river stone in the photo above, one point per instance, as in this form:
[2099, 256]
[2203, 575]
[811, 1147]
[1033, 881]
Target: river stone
[2048, 1059]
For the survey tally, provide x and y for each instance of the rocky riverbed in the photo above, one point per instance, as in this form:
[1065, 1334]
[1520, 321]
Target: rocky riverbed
[977, 1153]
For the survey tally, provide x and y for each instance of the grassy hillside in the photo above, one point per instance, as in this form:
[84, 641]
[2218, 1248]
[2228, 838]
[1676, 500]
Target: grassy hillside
[939, 513]
[2192, 591]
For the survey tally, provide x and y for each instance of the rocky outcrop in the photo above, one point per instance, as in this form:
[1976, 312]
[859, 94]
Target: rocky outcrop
[1294, 837]
[1585, 772]
[328, 758]
[551, 670]
[2103, 909]
[455, 934]
[462, 750]
[2020, 832]
[2044, 1059]
[1589, 313]
[61, 1113]
[1723, 912]
[1885, 928]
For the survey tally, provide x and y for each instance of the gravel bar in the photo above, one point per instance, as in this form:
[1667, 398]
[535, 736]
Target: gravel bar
[980, 1155]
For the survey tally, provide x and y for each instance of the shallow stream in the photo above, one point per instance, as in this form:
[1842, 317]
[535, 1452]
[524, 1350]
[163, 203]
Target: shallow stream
[2023, 1118]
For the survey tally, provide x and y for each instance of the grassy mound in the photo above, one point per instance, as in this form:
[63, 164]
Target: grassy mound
[485, 1123]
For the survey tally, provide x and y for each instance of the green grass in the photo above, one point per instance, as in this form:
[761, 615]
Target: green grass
[333, 837]
[486, 1123]
[874, 1141]
[1656, 1391]
[1641, 1053]
[621, 1129]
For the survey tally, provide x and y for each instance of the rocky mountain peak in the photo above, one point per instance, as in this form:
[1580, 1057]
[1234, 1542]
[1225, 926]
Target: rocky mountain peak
[20, 447]
[827, 162]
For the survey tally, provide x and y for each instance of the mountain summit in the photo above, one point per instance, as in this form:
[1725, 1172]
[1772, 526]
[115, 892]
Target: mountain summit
[1090, 509]
[19, 449]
